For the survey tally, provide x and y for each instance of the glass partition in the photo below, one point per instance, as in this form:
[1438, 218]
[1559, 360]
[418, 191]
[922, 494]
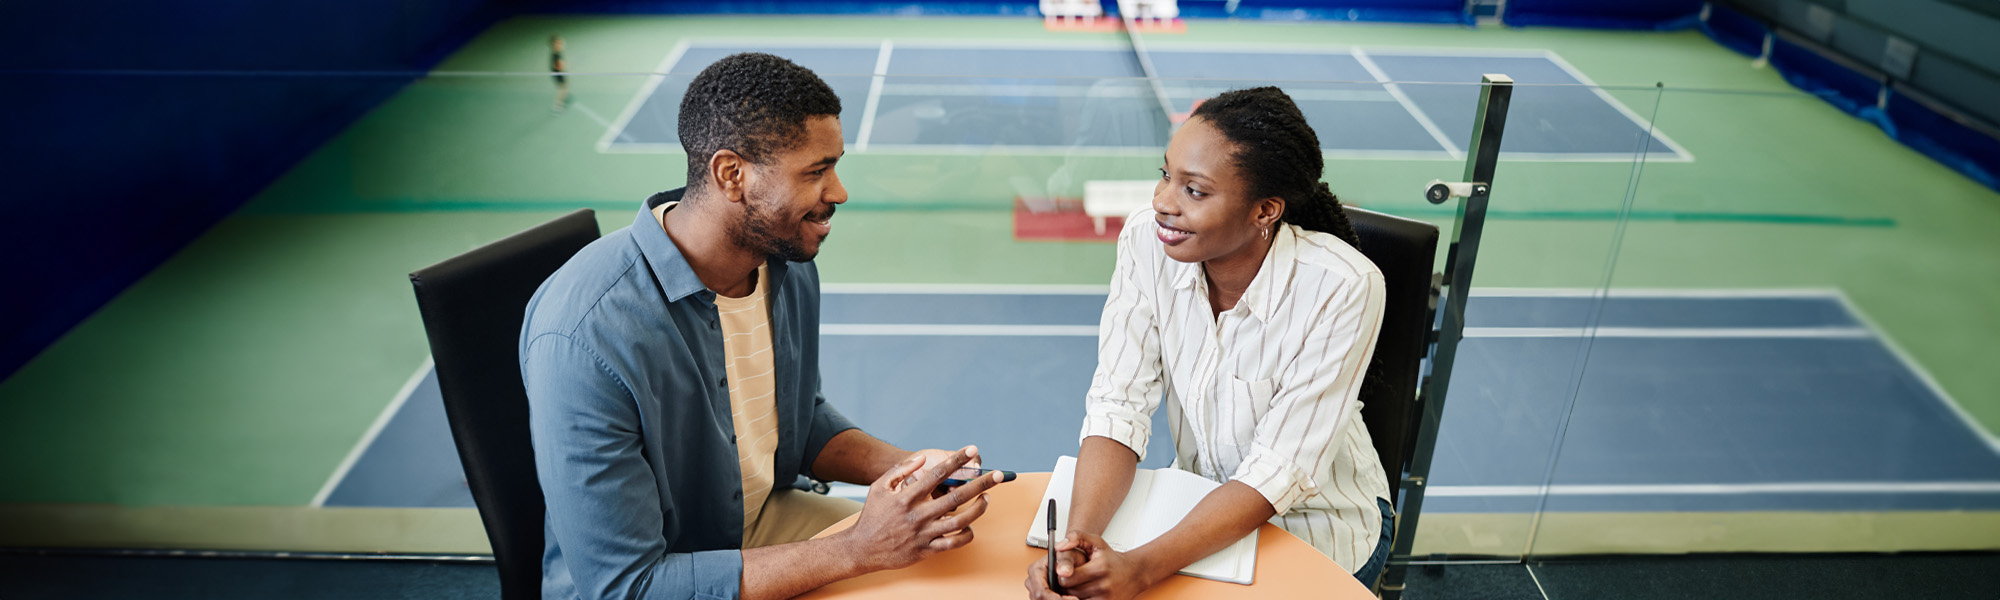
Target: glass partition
[1565, 165]
[1790, 356]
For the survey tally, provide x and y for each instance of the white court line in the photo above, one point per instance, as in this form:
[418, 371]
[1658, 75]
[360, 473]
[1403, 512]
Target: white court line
[874, 96]
[1074, 90]
[1030, 289]
[1831, 333]
[1717, 293]
[1589, 157]
[645, 91]
[374, 429]
[784, 42]
[967, 289]
[1011, 330]
[1123, 151]
[858, 492]
[1152, 152]
[954, 330]
[1965, 418]
[599, 119]
[1644, 125]
[1718, 489]
[1396, 92]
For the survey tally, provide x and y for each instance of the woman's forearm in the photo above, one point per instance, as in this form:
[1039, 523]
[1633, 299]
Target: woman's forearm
[1223, 516]
[1104, 471]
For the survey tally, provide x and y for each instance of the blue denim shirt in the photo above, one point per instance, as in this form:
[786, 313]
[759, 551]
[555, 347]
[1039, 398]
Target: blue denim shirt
[628, 407]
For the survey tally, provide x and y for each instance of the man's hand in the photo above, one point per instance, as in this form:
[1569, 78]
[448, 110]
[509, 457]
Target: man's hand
[901, 523]
[1102, 573]
[934, 456]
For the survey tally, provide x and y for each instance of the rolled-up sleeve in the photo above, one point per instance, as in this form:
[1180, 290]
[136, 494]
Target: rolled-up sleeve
[826, 423]
[1125, 390]
[1315, 396]
[604, 508]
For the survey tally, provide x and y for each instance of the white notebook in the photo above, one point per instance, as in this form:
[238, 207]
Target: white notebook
[1159, 499]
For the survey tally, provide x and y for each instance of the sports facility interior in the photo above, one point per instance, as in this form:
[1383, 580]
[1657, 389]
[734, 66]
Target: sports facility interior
[1730, 333]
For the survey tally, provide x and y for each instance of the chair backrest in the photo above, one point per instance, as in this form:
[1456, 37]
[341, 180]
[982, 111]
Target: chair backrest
[1405, 251]
[472, 306]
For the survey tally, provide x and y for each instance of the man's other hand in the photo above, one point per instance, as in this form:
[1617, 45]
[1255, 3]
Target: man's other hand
[903, 522]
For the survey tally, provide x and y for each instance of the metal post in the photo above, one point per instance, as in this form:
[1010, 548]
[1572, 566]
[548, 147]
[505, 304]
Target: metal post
[1481, 159]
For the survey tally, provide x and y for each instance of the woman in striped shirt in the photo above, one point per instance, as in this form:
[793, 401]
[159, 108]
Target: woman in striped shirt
[1240, 300]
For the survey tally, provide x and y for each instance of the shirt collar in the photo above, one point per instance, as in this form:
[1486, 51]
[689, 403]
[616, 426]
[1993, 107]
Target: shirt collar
[670, 267]
[1274, 275]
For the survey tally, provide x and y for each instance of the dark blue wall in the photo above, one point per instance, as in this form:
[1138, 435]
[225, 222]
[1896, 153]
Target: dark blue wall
[134, 128]
[1619, 14]
[1420, 11]
[1930, 100]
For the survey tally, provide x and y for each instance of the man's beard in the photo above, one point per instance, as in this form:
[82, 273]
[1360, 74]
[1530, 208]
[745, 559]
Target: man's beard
[758, 227]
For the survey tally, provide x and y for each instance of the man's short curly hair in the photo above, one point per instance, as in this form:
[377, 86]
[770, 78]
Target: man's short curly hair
[753, 103]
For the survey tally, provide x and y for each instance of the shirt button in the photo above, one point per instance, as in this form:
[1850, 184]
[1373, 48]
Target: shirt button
[711, 324]
[722, 381]
[732, 438]
[736, 496]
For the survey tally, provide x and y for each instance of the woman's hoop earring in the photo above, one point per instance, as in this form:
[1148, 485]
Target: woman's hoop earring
[1267, 233]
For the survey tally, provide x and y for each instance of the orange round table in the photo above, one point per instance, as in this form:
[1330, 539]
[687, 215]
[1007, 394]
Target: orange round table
[996, 563]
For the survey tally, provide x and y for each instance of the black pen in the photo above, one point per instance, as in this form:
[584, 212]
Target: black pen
[1055, 584]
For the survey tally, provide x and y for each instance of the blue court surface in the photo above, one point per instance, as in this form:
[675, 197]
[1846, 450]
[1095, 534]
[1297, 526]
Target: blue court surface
[1363, 103]
[1691, 401]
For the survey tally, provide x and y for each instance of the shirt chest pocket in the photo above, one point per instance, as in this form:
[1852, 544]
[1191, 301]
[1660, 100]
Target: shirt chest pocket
[1243, 403]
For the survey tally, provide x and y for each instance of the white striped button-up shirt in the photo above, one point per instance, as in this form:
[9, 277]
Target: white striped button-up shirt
[1265, 392]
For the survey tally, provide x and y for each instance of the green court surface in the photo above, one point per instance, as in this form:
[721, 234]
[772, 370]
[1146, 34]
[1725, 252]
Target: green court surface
[243, 371]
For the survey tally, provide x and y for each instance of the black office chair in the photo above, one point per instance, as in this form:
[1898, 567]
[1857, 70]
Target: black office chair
[472, 306]
[1405, 251]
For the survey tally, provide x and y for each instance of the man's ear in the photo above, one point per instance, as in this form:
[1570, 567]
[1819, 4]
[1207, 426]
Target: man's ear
[727, 171]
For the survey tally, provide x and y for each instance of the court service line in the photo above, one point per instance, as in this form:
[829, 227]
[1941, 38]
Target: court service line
[1708, 333]
[1086, 289]
[971, 289]
[374, 429]
[1719, 489]
[1396, 92]
[857, 492]
[956, 330]
[1701, 293]
[645, 91]
[874, 96]
[1823, 333]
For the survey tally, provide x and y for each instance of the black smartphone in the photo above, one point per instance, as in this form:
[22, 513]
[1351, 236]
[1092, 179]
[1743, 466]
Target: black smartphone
[965, 474]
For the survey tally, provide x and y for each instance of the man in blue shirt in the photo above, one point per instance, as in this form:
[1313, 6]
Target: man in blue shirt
[652, 351]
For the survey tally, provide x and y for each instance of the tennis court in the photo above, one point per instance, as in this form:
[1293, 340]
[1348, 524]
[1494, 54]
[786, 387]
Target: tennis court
[943, 366]
[1053, 98]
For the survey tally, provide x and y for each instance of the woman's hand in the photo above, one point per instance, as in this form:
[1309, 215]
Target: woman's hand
[1038, 575]
[1102, 573]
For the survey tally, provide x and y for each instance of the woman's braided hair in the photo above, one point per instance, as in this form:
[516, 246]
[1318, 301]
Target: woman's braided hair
[1278, 154]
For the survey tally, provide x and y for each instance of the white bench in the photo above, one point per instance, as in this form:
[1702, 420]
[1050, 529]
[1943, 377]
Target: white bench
[1155, 10]
[1115, 198]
